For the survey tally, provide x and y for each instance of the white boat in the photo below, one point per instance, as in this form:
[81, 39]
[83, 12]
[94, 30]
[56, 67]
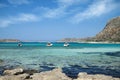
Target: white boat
[49, 44]
[66, 44]
[19, 44]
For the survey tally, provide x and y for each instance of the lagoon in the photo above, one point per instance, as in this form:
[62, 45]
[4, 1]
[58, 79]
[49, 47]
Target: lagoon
[93, 58]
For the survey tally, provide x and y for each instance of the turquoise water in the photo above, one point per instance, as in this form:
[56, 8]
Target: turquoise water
[78, 57]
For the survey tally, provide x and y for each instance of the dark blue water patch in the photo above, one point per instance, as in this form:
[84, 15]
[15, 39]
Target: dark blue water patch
[32, 64]
[46, 67]
[1, 70]
[107, 62]
[115, 54]
[73, 71]
[89, 52]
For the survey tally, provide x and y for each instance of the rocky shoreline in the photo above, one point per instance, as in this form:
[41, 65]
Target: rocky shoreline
[55, 74]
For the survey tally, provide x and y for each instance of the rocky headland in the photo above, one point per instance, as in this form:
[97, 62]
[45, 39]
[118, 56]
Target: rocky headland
[55, 74]
[110, 33]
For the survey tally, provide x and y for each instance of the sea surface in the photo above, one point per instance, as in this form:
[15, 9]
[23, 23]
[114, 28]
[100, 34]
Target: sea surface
[93, 58]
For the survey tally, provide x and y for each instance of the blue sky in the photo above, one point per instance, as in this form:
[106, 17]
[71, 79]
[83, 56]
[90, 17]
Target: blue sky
[55, 19]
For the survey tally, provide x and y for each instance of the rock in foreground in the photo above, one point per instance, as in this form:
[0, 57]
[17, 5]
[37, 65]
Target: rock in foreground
[15, 77]
[85, 76]
[55, 74]
[13, 72]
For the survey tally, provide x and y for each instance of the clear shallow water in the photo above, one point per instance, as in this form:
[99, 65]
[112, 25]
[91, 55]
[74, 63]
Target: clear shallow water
[78, 57]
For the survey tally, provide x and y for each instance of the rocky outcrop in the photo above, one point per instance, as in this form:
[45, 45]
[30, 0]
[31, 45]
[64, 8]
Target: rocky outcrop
[55, 74]
[17, 74]
[13, 72]
[15, 77]
[69, 40]
[85, 76]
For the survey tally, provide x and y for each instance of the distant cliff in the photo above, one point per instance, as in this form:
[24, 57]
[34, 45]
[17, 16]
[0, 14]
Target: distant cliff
[9, 40]
[111, 33]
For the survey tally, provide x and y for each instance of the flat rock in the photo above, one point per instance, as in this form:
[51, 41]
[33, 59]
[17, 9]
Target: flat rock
[55, 74]
[15, 77]
[13, 72]
[85, 76]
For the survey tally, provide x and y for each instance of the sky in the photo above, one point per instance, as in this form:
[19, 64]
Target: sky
[50, 20]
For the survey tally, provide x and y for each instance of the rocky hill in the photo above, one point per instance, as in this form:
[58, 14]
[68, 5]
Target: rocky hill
[111, 33]
[9, 40]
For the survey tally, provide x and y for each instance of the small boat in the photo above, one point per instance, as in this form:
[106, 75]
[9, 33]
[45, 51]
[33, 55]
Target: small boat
[66, 44]
[19, 44]
[49, 44]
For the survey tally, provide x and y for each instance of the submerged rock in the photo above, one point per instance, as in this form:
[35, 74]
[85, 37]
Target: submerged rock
[116, 54]
[1, 61]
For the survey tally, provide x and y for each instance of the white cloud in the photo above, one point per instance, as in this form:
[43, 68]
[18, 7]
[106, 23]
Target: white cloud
[66, 2]
[18, 2]
[5, 23]
[18, 19]
[61, 10]
[26, 17]
[95, 10]
[71, 2]
[54, 13]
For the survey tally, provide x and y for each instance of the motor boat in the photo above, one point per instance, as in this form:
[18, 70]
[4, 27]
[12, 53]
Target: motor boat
[49, 44]
[19, 44]
[66, 44]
